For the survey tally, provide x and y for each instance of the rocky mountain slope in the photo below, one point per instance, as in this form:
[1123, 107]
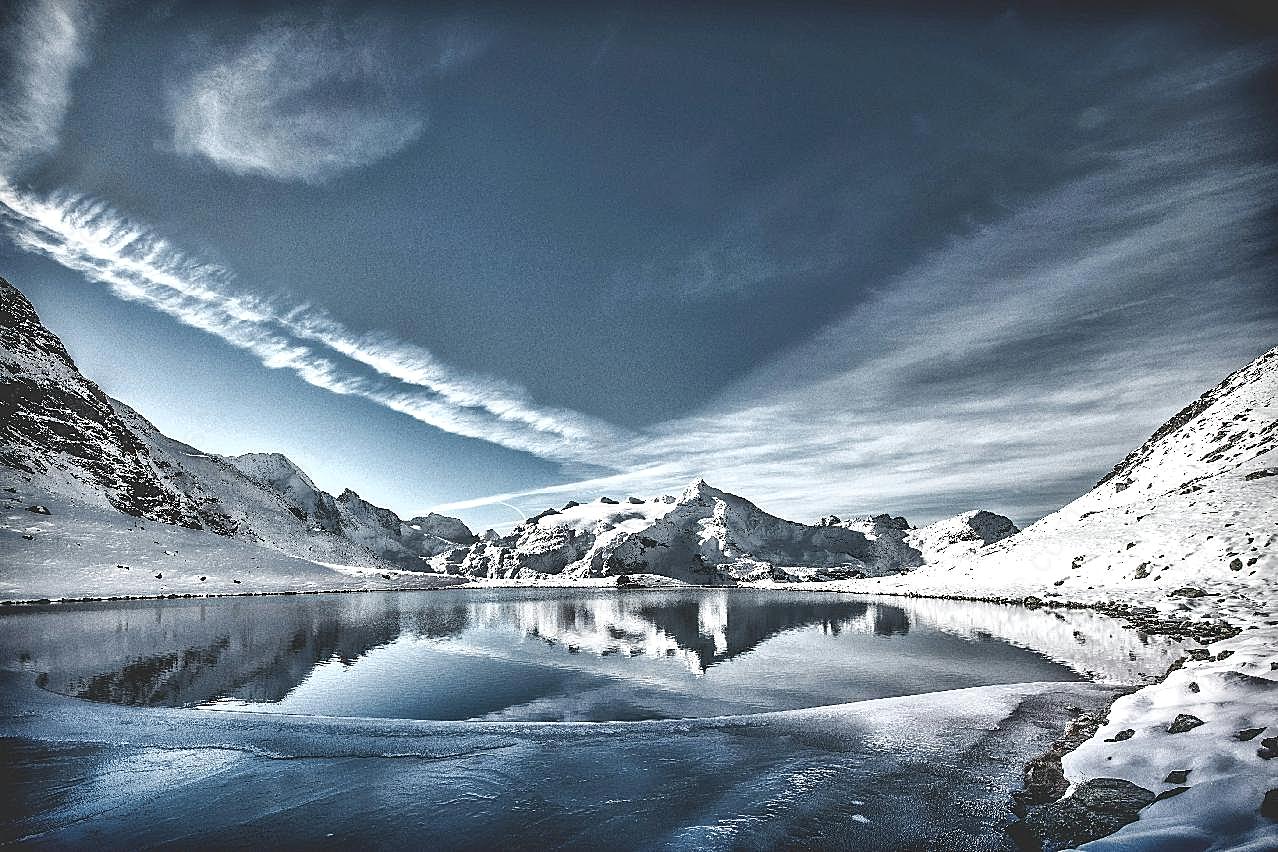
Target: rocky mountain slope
[64, 438]
[59, 427]
[708, 536]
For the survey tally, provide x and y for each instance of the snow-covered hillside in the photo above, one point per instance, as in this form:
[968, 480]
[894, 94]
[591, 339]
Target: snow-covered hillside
[708, 536]
[1184, 527]
[65, 442]
[1187, 522]
[81, 550]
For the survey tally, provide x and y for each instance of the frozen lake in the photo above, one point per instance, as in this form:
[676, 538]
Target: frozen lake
[509, 654]
[166, 754]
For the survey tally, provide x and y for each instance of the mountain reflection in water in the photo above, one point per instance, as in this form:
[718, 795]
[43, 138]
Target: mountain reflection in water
[506, 653]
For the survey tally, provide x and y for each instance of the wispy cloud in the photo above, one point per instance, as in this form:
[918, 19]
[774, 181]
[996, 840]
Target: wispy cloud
[42, 48]
[1009, 368]
[304, 101]
[137, 265]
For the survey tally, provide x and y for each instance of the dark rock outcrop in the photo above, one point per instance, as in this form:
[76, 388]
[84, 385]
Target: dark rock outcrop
[1096, 809]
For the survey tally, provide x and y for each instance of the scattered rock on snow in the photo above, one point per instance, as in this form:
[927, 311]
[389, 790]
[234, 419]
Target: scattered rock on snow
[39, 510]
[1184, 722]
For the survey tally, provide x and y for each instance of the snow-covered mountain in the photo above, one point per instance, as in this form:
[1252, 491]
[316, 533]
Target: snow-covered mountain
[706, 535]
[1191, 511]
[57, 426]
[63, 436]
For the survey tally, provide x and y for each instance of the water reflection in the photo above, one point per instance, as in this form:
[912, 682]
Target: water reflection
[535, 654]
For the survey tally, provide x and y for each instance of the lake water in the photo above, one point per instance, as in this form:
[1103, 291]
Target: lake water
[932, 770]
[522, 654]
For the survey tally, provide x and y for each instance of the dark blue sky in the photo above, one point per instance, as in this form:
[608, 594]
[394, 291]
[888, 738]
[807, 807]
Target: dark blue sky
[836, 260]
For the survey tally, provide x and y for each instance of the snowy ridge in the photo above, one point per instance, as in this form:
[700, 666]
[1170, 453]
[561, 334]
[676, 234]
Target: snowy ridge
[706, 536]
[1192, 508]
[1228, 426]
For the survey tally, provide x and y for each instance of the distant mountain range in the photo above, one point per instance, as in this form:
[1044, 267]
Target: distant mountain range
[63, 436]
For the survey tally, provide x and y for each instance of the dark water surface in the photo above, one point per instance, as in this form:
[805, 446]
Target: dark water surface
[509, 654]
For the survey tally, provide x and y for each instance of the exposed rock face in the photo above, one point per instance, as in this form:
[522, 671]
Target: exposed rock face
[441, 529]
[1095, 809]
[57, 424]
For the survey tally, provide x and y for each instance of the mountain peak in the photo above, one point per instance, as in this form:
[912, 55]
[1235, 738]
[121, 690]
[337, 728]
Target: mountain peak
[700, 488]
[274, 469]
[21, 331]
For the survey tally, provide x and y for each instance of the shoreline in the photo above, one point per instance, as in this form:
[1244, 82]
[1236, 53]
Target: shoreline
[1146, 619]
[1137, 619]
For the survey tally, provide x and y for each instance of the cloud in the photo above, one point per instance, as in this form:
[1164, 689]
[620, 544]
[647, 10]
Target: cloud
[301, 102]
[1007, 368]
[90, 238]
[1011, 367]
[43, 47]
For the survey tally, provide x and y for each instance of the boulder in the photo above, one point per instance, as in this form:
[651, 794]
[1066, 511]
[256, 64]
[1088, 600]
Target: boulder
[1096, 809]
[1184, 722]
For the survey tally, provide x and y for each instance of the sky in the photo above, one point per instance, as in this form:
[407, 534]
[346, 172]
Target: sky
[481, 259]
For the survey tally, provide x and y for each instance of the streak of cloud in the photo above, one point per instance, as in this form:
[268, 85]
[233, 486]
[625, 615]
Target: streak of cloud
[90, 238]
